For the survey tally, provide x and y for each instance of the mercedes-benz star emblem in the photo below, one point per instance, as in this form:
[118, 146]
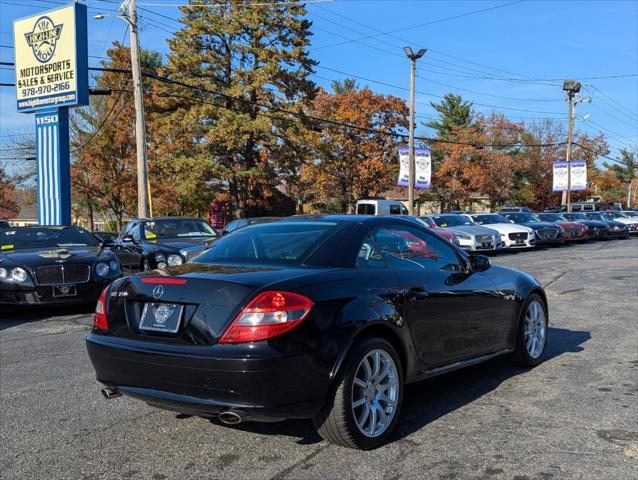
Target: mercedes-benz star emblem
[158, 291]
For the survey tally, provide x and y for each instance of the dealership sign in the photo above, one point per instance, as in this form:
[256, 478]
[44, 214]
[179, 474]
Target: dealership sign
[423, 170]
[51, 61]
[578, 175]
[52, 74]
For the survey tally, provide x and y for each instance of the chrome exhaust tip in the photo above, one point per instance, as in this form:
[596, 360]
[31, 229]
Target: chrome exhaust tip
[110, 392]
[231, 417]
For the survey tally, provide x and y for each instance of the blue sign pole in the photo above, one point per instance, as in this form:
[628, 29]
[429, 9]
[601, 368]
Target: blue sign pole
[53, 164]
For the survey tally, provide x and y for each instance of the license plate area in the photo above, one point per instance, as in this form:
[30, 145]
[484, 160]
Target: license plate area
[64, 291]
[161, 317]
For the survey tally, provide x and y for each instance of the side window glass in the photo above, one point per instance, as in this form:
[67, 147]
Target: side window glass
[370, 255]
[411, 248]
[395, 210]
[135, 231]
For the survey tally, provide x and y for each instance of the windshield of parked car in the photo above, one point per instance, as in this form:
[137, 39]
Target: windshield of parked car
[631, 214]
[177, 228]
[452, 221]
[616, 215]
[45, 237]
[597, 216]
[522, 218]
[490, 219]
[575, 216]
[278, 242]
[551, 217]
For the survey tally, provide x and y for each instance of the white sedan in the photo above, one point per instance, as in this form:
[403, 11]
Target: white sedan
[513, 235]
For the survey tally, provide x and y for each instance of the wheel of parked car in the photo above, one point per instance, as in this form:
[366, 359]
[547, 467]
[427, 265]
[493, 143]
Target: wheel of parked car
[531, 338]
[365, 403]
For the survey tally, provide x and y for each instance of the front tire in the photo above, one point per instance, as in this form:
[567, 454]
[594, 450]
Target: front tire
[531, 337]
[364, 406]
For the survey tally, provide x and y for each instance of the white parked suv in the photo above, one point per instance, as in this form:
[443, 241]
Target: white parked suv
[381, 207]
[512, 234]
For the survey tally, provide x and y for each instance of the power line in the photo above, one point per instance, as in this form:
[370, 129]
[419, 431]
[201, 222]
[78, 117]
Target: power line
[403, 29]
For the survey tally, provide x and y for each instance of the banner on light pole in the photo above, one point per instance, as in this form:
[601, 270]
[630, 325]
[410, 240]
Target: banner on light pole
[578, 174]
[423, 170]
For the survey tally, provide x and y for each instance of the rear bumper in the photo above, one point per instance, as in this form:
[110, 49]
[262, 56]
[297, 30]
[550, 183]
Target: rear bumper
[206, 380]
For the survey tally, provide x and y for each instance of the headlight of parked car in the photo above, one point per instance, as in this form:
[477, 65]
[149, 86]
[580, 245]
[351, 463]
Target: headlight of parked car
[464, 236]
[174, 260]
[114, 265]
[17, 274]
[102, 269]
[160, 259]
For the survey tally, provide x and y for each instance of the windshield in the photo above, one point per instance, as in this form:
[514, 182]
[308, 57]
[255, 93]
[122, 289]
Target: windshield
[631, 214]
[597, 216]
[616, 215]
[45, 237]
[523, 218]
[279, 242]
[177, 228]
[551, 217]
[490, 219]
[452, 221]
[575, 216]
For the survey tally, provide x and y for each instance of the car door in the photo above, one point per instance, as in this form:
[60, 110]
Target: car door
[127, 251]
[451, 313]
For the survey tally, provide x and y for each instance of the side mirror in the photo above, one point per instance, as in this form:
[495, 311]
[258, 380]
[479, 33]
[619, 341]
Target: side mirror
[128, 239]
[479, 263]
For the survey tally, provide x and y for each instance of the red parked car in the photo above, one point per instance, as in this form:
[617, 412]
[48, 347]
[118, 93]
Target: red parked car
[573, 231]
[447, 234]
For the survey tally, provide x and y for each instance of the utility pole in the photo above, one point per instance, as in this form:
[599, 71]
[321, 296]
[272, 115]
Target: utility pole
[412, 173]
[140, 128]
[143, 188]
[571, 89]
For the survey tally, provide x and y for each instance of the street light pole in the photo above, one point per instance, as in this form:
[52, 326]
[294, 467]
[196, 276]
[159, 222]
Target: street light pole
[411, 169]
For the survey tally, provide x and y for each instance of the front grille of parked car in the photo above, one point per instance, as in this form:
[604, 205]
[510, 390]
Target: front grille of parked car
[518, 236]
[62, 274]
[484, 238]
[547, 233]
[574, 232]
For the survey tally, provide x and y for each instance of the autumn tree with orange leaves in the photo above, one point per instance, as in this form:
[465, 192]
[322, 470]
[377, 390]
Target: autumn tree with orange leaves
[8, 205]
[358, 161]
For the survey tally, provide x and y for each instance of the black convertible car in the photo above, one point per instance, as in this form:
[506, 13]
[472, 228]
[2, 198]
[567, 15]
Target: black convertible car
[616, 229]
[324, 317]
[44, 265]
[162, 242]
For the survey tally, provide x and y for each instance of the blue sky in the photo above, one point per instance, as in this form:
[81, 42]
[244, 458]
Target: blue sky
[528, 41]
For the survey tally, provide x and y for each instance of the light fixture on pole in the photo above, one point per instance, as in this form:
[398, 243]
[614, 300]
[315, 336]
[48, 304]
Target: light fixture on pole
[143, 190]
[413, 58]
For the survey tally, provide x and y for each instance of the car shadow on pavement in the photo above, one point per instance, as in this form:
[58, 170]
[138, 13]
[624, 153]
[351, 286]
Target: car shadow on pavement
[430, 399]
[14, 316]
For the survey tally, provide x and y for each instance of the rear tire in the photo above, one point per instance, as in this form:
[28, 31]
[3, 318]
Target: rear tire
[531, 335]
[371, 380]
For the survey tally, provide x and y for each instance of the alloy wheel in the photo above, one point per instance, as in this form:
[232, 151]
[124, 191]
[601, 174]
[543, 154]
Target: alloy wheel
[375, 393]
[535, 329]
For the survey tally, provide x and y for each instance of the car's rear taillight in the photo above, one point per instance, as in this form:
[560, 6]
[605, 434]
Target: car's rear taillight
[268, 315]
[99, 320]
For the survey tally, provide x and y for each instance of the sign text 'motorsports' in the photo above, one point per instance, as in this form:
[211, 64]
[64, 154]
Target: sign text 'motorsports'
[51, 59]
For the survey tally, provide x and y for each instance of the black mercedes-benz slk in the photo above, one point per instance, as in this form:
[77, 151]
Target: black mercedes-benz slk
[324, 317]
[53, 265]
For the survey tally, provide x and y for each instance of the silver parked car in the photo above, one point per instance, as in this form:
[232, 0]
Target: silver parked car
[471, 236]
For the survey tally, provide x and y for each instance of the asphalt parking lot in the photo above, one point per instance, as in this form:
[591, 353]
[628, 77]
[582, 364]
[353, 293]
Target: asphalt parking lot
[574, 416]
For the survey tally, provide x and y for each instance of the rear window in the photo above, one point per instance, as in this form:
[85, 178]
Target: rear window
[366, 209]
[279, 242]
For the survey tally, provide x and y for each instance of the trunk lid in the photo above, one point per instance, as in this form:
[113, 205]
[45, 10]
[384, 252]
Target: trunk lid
[201, 299]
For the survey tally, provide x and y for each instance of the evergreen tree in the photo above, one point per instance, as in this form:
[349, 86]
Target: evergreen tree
[246, 62]
[453, 112]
